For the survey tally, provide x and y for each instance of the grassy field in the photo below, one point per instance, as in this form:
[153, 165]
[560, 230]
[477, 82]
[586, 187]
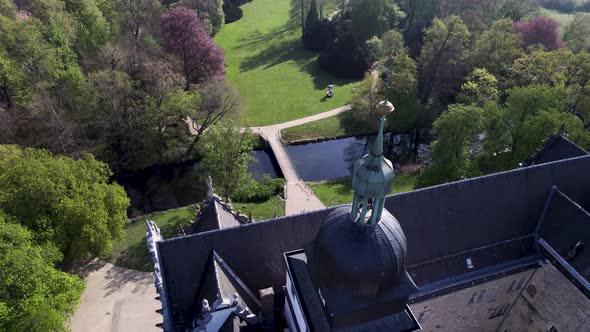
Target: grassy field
[339, 191]
[278, 79]
[131, 252]
[342, 125]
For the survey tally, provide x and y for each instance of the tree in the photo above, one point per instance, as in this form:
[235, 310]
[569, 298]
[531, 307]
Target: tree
[93, 29]
[373, 17]
[120, 122]
[34, 296]
[209, 12]
[225, 156]
[218, 99]
[137, 16]
[65, 202]
[364, 98]
[576, 34]
[441, 65]
[184, 36]
[530, 114]
[479, 89]
[497, 48]
[345, 57]
[456, 131]
[539, 30]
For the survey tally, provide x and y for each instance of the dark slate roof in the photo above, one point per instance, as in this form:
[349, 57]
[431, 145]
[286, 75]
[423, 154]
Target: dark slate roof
[214, 216]
[440, 221]
[563, 224]
[220, 279]
[556, 147]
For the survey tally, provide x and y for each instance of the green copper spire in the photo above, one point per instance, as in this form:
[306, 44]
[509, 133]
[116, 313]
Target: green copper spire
[373, 177]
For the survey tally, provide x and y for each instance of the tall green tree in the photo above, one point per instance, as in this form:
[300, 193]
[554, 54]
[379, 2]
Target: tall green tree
[480, 87]
[496, 49]
[456, 131]
[374, 17]
[65, 202]
[225, 156]
[441, 65]
[34, 296]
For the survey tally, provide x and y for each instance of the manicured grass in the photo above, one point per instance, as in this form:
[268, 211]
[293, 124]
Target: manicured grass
[262, 211]
[278, 79]
[341, 125]
[339, 191]
[131, 252]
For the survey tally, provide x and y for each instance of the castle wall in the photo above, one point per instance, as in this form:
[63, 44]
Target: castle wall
[549, 303]
[478, 308]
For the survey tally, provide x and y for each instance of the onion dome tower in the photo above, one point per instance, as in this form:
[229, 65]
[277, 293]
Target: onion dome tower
[356, 263]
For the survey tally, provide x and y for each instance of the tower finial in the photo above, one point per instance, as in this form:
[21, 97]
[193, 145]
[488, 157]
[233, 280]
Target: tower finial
[373, 176]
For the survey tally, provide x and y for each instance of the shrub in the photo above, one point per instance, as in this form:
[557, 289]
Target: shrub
[255, 191]
[345, 57]
[232, 12]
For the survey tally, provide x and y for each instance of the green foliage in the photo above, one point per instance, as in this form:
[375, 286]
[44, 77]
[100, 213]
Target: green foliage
[373, 17]
[576, 34]
[34, 296]
[254, 191]
[93, 29]
[64, 202]
[497, 48]
[225, 156]
[441, 65]
[480, 88]
[456, 131]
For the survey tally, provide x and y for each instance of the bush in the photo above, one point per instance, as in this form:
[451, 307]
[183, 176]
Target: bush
[345, 57]
[254, 191]
[232, 12]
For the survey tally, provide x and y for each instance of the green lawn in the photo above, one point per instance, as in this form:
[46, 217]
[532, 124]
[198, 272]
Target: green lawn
[131, 252]
[341, 125]
[262, 211]
[278, 79]
[339, 191]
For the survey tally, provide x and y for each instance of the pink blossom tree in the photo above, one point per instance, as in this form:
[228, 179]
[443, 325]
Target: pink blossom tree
[539, 30]
[184, 36]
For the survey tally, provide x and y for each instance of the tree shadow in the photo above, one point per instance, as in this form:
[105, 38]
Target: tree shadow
[322, 79]
[136, 255]
[118, 277]
[275, 54]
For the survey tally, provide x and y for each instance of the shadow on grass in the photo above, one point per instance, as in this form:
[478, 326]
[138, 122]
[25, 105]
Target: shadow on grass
[288, 49]
[275, 54]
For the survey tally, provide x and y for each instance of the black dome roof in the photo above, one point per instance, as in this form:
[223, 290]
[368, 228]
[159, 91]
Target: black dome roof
[364, 260]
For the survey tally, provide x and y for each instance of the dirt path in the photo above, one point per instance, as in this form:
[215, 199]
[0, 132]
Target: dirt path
[116, 299]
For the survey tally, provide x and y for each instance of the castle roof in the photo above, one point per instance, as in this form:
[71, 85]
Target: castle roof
[490, 220]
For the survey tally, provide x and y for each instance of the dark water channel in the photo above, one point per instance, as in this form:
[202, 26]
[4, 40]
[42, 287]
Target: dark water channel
[163, 187]
[328, 159]
[169, 186]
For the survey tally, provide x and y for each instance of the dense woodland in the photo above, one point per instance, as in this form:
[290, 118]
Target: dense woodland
[491, 77]
[91, 86]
